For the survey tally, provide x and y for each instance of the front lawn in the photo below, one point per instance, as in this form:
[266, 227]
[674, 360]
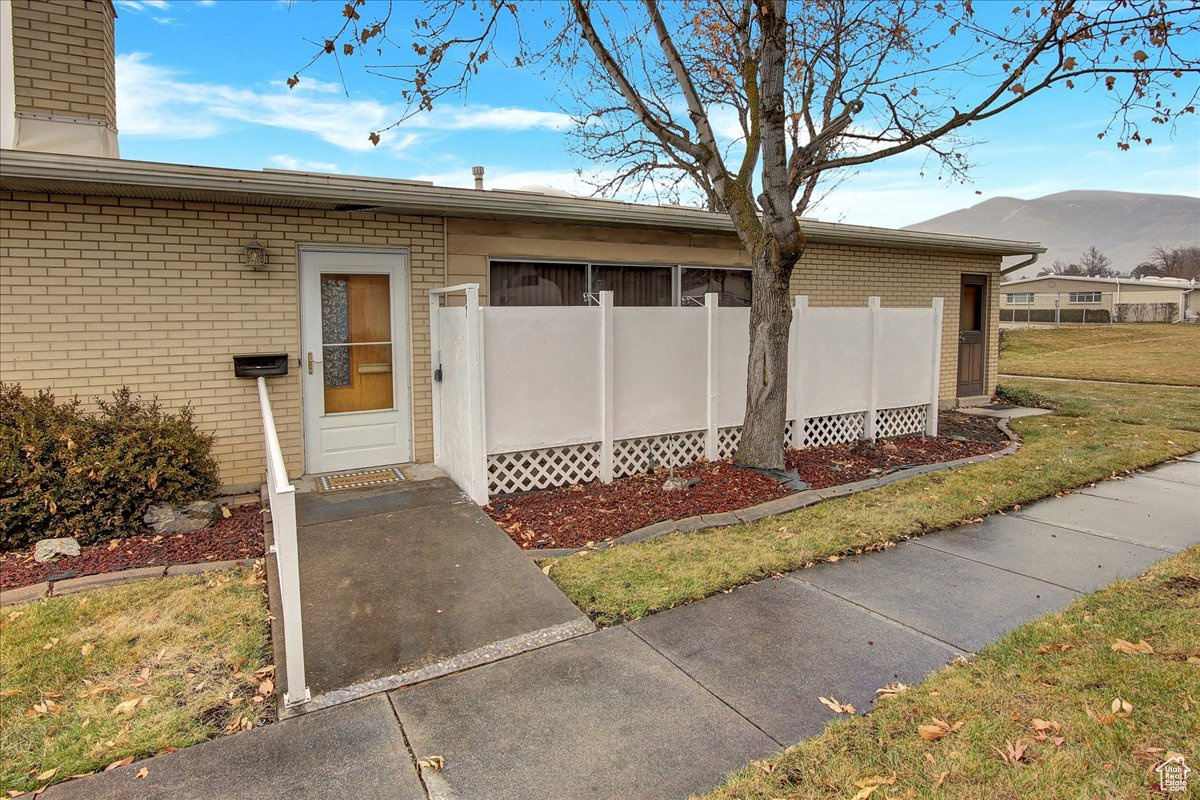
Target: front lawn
[1061, 452]
[1051, 710]
[1136, 353]
[90, 679]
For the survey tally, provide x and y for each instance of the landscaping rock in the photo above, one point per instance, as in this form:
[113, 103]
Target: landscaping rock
[166, 518]
[49, 549]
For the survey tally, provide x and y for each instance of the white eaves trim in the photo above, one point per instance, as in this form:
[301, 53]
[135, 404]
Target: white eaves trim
[86, 175]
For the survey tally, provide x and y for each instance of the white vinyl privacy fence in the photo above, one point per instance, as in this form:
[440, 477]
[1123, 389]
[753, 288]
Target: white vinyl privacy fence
[533, 397]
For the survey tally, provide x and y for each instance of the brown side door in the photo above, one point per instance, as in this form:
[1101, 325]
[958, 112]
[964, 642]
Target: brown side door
[972, 312]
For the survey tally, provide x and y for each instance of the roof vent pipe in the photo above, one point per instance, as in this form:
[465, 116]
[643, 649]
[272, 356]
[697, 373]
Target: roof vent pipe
[478, 173]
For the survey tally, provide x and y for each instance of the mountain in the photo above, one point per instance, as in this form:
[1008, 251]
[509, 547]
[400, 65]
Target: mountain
[1125, 226]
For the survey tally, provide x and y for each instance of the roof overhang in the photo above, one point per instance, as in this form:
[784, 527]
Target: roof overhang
[107, 177]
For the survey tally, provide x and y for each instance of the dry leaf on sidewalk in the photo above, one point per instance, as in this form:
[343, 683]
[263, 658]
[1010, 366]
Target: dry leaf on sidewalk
[836, 707]
[434, 763]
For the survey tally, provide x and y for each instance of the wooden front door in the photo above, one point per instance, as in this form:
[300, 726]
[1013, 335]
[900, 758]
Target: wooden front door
[972, 336]
[354, 371]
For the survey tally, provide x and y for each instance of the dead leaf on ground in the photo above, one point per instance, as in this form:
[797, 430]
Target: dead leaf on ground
[1012, 754]
[141, 773]
[86, 650]
[434, 763]
[891, 690]
[1122, 708]
[265, 672]
[124, 762]
[876, 780]
[127, 706]
[937, 728]
[765, 766]
[47, 775]
[266, 687]
[836, 707]
[940, 779]
[1122, 646]
[1053, 648]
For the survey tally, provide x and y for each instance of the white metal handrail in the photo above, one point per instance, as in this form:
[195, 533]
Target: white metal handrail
[282, 497]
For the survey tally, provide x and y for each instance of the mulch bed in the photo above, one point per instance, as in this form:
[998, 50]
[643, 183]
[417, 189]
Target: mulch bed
[586, 514]
[239, 536]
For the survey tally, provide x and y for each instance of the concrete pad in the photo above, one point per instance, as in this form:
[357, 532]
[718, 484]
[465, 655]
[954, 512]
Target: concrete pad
[1146, 489]
[771, 649]
[1170, 527]
[394, 592]
[356, 750]
[313, 508]
[601, 716]
[1187, 472]
[961, 602]
[1080, 561]
[1193, 457]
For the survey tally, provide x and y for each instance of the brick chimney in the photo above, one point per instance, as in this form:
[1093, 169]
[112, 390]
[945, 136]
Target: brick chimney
[58, 91]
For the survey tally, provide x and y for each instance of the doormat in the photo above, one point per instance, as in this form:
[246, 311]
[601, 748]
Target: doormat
[361, 479]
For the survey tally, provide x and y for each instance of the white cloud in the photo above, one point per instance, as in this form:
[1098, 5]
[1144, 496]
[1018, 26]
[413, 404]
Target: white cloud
[284, 161]
[155, 101]
[142, 5]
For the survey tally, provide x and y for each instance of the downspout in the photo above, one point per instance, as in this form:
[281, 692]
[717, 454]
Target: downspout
[1033, 257]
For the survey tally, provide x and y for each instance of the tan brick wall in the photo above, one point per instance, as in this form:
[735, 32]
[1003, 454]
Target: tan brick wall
[63, 58]
[99, 292]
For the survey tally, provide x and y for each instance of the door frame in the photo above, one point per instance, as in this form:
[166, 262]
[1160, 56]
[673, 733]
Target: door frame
[312, 403]
[983, 281]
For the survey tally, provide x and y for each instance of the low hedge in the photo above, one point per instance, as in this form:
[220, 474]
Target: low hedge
[66, 472]
[1088, 315]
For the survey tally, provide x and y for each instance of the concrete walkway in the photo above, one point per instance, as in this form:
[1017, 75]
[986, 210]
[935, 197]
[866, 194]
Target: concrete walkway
[411, 581]
[668, 705]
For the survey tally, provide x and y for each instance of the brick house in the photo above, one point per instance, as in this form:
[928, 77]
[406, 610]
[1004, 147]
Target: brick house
[153, 275]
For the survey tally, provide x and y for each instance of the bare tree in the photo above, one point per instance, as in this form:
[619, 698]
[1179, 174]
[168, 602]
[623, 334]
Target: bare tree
[1095, 264]
[1178, 262]
[810, 91]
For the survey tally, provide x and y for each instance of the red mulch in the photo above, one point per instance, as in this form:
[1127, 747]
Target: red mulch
[573, 516]
[592, 512]
[239, 536]
[835, 464]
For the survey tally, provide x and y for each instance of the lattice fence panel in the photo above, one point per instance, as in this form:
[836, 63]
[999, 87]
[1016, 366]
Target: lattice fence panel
[634, 456]
[727, 441]
[834, 429]
[544, 468]
[900, 421]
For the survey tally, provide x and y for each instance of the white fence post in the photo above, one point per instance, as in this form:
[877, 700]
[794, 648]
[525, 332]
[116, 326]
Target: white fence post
[606, 387]
[435, 366]
[872, 416]
[712, 450]
[475, 376]
[798, 365]
[282, 499]
[935, 382]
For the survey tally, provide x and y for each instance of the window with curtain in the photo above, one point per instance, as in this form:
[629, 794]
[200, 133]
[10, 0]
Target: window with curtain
[634, 286]
[1085, 297]
[732, 285]
[533, 283]
[1020, 298]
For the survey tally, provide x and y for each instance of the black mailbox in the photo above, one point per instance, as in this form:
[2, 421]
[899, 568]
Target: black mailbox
[260, 365]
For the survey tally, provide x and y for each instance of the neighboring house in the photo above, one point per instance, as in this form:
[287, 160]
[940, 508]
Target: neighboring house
[1115, 299]
[153, 275]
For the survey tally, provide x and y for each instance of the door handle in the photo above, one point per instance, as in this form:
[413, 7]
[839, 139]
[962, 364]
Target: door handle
[311, 361]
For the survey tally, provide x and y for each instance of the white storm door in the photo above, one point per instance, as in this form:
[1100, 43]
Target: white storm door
[354, 359]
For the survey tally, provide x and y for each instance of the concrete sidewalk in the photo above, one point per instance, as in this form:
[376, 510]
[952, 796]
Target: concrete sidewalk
[668, 705]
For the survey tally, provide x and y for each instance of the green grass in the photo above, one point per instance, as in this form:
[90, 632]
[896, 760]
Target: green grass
[998, 694]
[1136, 353]
[183, 649]
[1088, 441]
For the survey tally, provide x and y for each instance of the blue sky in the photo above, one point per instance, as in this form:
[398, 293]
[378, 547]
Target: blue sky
[203, 82]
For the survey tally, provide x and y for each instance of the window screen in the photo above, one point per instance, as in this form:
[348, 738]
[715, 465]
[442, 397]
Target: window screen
[733, 285]
[634, 286]
[531, 283]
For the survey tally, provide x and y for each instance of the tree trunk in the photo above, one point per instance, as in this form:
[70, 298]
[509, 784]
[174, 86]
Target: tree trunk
[761, 444]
